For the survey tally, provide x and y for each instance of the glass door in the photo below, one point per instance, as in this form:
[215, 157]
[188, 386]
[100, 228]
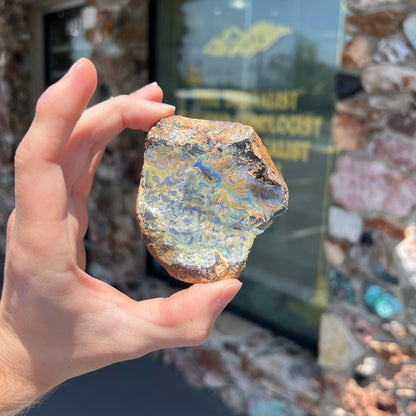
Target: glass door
[64, 42]
[269, 64]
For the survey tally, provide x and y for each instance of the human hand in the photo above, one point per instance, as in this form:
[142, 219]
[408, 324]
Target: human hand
[56, 321]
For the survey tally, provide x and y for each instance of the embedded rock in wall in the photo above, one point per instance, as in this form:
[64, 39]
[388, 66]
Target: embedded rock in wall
[344, 224]
[406, 252]
[376, 278]
[370, 400]
[356, 53]
[392, 149]
[337, 347]
[362, 185]
[364, 5]
[404, 123]
[409, 300]
[409, 29]
[393, 352]
[388, 79]
[392, 228]
[375, 24]
[348, 132]
[357, 106]
[393, 51]
[335, 252]
[406, 377]
[391, 102]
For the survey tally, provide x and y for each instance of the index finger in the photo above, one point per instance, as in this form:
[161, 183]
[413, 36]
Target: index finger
[58, 110]
[40, 187]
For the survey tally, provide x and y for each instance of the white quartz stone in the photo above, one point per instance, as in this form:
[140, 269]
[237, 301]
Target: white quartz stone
[338, 349]
[345, 224]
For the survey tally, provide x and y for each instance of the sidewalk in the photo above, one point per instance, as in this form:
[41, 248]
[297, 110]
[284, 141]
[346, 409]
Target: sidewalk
[142, 387]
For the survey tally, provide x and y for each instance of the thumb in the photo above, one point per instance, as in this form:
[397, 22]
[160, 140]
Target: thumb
[187, 317]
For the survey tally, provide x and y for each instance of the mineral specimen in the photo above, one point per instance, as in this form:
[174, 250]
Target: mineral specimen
[378, 300]
[356, 53]
[207, 189]
[371, 186]
[388, 79]
[381, 23]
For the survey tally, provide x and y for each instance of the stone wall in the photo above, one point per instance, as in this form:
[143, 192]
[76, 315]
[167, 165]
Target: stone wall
[14, 96]
[115, 251]
[367, 341]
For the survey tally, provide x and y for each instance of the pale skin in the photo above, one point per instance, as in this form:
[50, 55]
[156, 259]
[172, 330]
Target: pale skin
[56, 321]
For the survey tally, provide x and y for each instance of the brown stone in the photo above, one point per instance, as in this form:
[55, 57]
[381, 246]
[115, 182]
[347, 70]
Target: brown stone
[389, 227]
[392, 352]
[411, 409]
[335, 252]
[406, 377]
[249, 368]
[388, 79]
[207, 190]
[404, 123]
[356, 53]
[396, 329]
[385, 383]
[357, 106]
[381, 23]
[211, 360]
[131, 29]
[348, 132]
[370, 400]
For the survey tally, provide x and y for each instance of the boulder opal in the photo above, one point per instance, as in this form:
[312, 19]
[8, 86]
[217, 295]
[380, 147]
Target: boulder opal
[207, 189]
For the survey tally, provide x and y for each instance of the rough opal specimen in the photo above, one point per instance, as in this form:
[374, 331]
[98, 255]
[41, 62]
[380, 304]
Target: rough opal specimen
[207, 189]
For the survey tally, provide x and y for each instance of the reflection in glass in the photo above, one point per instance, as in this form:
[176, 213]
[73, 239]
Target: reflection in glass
[271, 65]
[64, 42]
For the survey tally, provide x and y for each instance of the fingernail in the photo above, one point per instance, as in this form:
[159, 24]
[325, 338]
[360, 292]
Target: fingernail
[228, 293]
[147, 88]
[164, 106]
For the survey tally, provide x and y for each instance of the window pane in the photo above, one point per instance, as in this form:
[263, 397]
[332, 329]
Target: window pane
[64, 42]
[268, 64]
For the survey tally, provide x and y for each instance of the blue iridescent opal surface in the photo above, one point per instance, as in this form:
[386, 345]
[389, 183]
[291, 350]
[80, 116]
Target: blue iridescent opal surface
[207, 190]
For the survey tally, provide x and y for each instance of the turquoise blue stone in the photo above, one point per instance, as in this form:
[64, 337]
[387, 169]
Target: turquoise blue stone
[340, 288]
[269, 407]
[381, 302]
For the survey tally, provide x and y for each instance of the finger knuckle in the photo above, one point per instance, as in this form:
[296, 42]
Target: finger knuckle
[47, 100]
[164, 316]
[198, 334]
[22, 156]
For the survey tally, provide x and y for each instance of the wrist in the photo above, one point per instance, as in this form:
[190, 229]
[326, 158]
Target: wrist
[19, 387]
